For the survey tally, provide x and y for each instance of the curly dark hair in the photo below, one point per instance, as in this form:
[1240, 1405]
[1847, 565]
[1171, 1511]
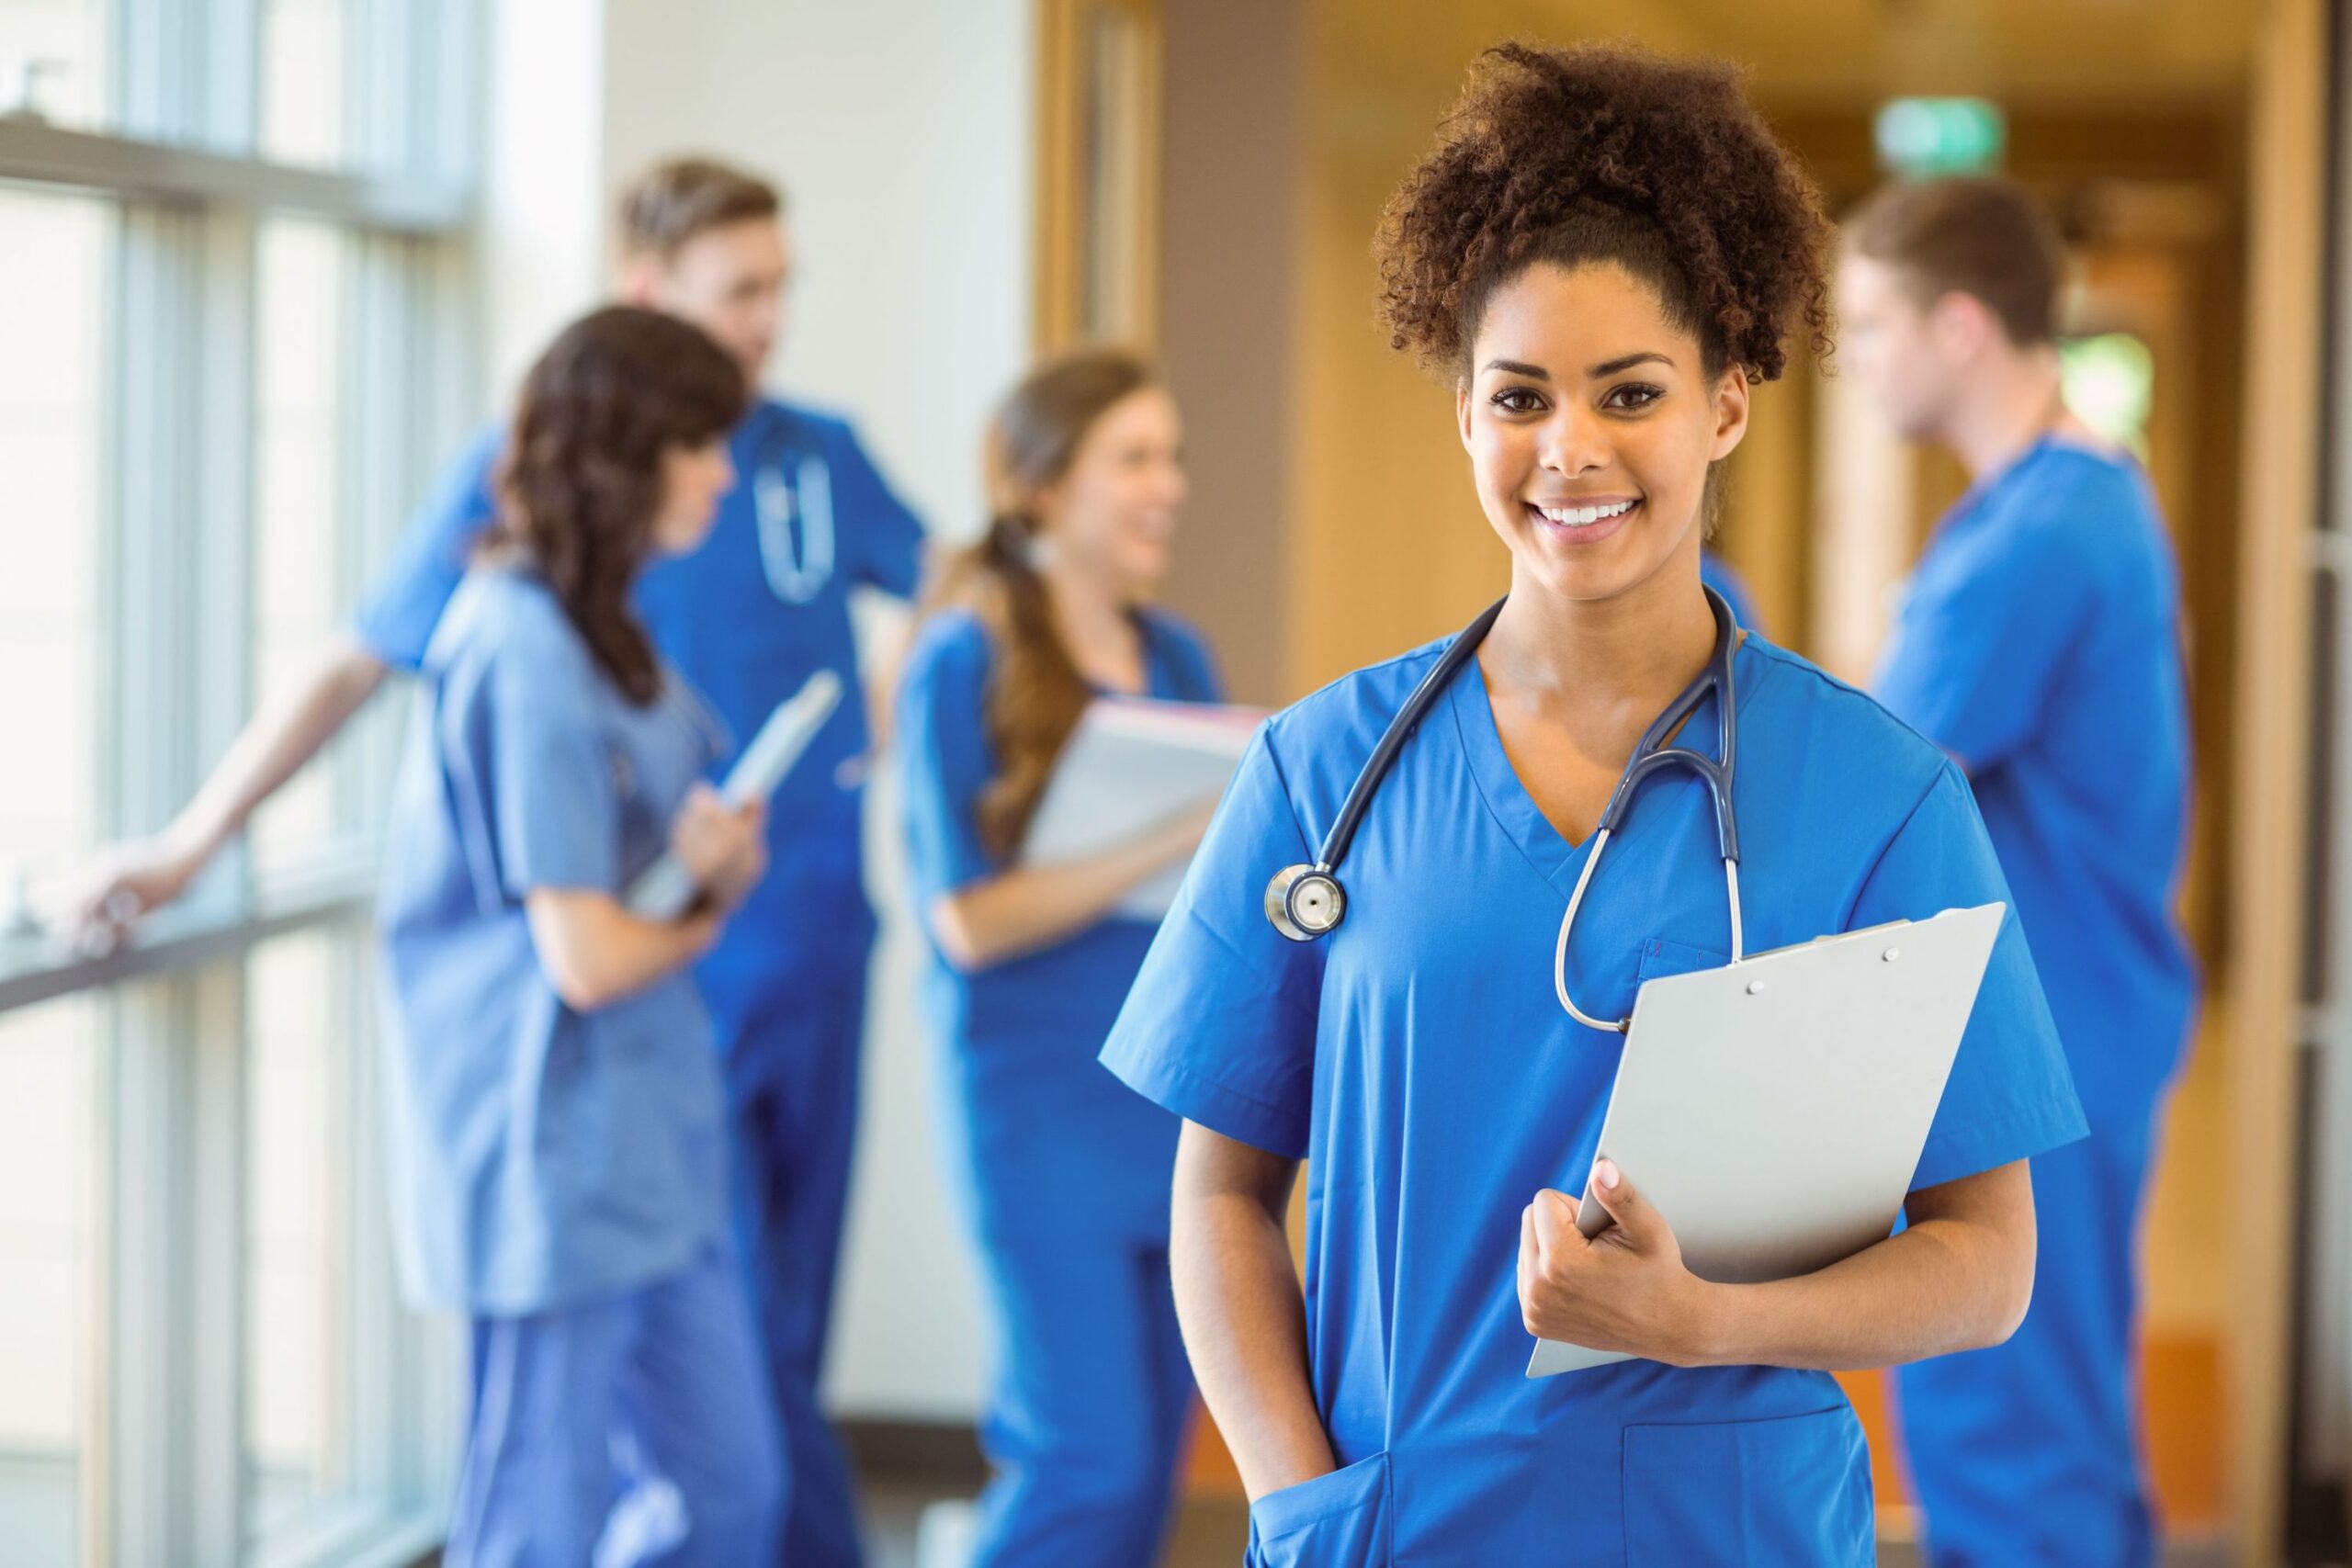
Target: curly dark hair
[1603, 154]
[581, 485]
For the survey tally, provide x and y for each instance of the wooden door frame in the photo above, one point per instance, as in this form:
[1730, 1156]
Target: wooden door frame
[1060, 273]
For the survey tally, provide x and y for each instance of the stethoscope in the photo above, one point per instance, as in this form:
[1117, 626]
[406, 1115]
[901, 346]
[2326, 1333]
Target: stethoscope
[785, 485]
[1306, 902]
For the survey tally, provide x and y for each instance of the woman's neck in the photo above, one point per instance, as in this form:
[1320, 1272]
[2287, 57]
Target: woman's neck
[1622, 658]
[1093, 613]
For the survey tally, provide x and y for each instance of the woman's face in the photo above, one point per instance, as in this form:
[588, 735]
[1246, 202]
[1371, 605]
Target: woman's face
[1113, 514]
[693, 478]
[1590, 423]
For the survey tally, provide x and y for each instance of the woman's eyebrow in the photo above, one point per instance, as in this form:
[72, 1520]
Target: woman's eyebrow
[1520, 367]
[1627, 361]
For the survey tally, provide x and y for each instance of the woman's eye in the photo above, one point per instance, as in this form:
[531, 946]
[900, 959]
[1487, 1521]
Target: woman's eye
[1518, 400]
[1631, 397]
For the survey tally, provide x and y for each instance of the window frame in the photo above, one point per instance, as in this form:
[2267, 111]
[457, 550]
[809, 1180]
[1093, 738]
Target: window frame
[163, 1436]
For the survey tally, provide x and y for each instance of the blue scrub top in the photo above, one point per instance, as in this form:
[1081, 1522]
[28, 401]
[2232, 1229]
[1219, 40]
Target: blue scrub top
[1717, 574]
[1417, 1059]
[2040, 645]
[749, 616]
[1039, 1113]
[545, 1156]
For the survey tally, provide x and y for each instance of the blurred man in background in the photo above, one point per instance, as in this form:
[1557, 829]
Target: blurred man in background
[2039, 643]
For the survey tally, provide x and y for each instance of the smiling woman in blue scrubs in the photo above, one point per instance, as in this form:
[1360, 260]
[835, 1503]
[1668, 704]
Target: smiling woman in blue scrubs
[1602, 254]
[1063, 1172]
[561, 1138]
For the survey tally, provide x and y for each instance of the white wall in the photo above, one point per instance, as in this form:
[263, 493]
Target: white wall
[901, 132]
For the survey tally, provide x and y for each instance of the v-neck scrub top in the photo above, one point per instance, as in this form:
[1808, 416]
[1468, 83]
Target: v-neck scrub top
[1418, 1060]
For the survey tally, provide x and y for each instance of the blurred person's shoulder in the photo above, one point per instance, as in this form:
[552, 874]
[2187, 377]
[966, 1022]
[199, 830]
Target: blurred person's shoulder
[1813, 714]
[504, 615]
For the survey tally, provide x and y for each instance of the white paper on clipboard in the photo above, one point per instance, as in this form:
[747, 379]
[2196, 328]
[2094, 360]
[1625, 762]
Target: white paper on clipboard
[1132, 763]
[1773, 1112]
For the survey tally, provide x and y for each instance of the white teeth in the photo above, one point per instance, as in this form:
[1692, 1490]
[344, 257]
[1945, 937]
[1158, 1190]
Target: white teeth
[1583, 516]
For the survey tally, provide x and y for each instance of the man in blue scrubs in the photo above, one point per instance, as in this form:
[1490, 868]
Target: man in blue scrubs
[2038, 645]
[746, 618]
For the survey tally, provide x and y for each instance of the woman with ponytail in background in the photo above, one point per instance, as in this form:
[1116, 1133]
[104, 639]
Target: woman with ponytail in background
[1065, 1170]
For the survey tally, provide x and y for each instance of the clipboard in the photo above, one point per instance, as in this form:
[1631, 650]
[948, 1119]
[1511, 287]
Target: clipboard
[1132, 763]
[666, 890]
[1773, 1112]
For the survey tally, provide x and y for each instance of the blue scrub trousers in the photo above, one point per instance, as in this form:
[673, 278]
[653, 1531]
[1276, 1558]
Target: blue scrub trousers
[1093, 1397]
[2027, 1455]
[624, 1432]
[795, 1127]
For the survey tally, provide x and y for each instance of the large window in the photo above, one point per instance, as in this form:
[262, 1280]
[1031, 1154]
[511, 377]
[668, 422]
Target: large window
[53, 254]
[53, 59]
[232, 314]
[48, 1127]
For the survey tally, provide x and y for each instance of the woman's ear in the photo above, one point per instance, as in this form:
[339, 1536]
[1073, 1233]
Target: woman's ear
[1462, 410]
[1731, 412]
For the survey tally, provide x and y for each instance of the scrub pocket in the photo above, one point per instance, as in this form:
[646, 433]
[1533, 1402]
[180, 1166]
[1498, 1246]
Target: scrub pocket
[1340, 1520]
[1660, 957]
[1750, 1493]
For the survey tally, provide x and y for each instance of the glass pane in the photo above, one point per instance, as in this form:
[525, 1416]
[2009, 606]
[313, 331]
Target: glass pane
[48, 1131]
[298, 515]
[302, 96]
[298, 1347]
[54, 61]
[53, 254]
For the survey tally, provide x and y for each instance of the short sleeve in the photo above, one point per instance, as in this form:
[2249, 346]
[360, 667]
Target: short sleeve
[532, 774]
[2010, 1095]
[1220, 1025]
[404, 603]
[945, 757]
[890, 537]
[1980, 638]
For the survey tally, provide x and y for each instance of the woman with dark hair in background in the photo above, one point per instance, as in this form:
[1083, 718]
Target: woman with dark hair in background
[1066, 1171]
[1601, 254]
[562, 1145]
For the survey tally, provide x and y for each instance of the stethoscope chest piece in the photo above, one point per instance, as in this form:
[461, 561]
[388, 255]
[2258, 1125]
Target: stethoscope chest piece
[1306, 902]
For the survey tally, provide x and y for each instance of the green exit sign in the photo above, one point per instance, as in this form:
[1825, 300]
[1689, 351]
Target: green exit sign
[1940, 136]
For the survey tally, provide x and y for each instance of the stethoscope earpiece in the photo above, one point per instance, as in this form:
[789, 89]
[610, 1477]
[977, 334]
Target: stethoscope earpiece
[1305, 902]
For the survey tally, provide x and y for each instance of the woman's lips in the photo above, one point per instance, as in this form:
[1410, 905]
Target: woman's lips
[1581, 533]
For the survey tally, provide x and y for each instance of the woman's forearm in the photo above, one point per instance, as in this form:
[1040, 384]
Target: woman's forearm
[595, 953]
[276, 744]
[1948, 1282]
[1245, 1322]
[1034, 907]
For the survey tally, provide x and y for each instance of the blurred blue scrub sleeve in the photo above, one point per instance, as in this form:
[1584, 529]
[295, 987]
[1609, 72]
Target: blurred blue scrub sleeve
[1980, 643]
[397, 617]
[2010, 1095]
[889, 537]
[1717, 574]
[946, 762]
